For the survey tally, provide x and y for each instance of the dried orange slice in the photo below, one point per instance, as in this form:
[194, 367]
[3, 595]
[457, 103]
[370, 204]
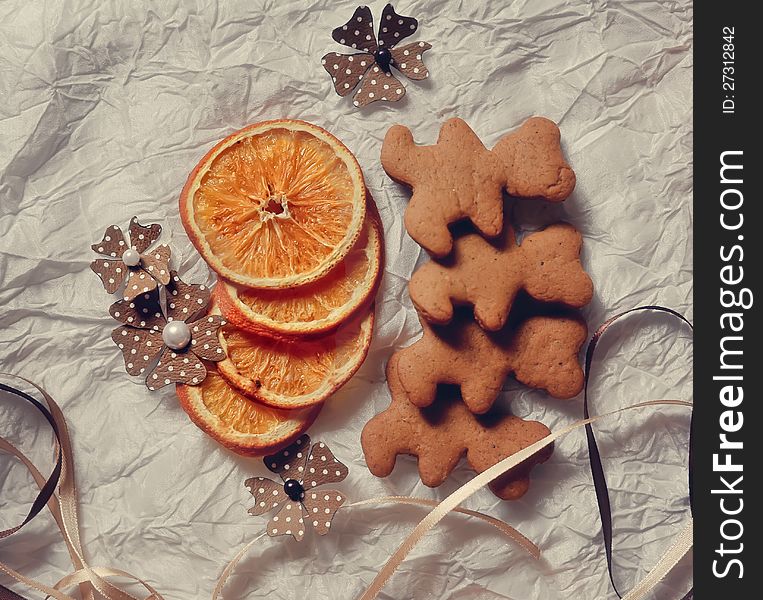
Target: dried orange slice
[275, 205]
[294, 374]
[314, 309]
[240, 423]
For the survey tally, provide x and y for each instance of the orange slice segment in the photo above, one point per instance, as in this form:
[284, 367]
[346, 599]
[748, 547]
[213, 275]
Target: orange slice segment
[275, 205]
[240, 423]
[314, 309]
[294, 375]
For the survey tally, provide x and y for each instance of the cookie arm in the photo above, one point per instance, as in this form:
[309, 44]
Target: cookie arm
[437, 459]
[399, 154]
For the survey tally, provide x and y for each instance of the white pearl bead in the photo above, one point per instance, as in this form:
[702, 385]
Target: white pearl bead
[131, 257]
[176, 335]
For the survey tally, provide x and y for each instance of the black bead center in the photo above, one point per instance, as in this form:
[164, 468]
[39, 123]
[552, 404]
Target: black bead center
[383, 58]
[294, 489]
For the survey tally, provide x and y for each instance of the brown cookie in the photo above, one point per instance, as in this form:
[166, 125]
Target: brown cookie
[457, 178]
[444, 432]
[534, 163]
[541, 352]
[488, 275]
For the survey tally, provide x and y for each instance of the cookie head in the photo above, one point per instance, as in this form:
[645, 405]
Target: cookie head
[552, 268]
[534, 163]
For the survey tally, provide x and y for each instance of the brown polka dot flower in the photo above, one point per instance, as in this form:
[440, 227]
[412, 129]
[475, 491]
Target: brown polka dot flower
[302, 470]
[372, 68]
[143, 269]
[179, 340]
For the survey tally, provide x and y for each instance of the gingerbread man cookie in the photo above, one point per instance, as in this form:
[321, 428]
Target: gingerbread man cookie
[534, 163]
[444, 432]
[457, 178]
[541, 352]
[489, 275]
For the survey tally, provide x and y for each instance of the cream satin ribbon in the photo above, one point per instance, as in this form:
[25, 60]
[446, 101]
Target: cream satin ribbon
[680, 547]
[63, 507]
[504, 528]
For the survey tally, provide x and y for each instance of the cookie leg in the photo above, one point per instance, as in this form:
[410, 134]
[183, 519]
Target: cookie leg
[380, 454]
[488, 217]
[380, 461]
[509, 437]
[421, 390]
[437, 461]
[430, 231]
[417, 376]
[491, 313]
[480, 393]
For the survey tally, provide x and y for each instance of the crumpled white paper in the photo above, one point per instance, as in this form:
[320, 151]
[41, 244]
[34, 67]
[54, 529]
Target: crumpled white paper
[105, 109]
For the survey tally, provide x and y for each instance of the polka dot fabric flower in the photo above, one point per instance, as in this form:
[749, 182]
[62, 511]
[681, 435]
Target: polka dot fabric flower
[143, 270]
[302, 469]
[179, 338]
[372, 68]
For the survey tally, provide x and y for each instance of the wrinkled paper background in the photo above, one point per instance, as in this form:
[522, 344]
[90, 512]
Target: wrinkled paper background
[105, 109]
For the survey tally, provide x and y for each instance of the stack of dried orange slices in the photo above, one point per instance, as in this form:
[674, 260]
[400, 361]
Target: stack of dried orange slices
[280, 211]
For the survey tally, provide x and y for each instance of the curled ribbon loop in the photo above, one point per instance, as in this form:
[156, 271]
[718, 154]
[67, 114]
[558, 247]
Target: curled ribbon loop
[594, 456]
[63, 507]
[48, 486]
